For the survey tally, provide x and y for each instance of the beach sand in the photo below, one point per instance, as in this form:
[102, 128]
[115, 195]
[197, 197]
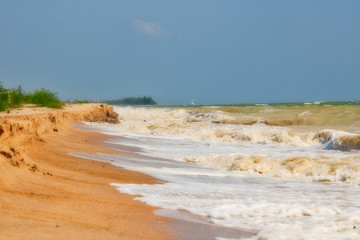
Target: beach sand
[47, 194]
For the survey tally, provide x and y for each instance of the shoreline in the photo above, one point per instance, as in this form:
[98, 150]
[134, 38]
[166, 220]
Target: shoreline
[45, 193]
[182, 225]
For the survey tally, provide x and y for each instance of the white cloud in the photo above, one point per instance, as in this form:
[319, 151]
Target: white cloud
[151, 29]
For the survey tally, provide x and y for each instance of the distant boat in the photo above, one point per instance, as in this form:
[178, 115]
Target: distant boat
[192, 102]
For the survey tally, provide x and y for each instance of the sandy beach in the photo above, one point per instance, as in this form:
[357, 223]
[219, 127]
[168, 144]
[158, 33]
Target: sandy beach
[47, 194]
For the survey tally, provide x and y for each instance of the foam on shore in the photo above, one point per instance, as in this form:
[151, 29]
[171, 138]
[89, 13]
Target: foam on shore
[282, 181]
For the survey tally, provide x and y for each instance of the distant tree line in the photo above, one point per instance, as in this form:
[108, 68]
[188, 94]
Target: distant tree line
[132, 101]
[16, 97]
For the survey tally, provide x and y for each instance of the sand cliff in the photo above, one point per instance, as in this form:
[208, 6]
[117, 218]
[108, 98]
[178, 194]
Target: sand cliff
[22, 127]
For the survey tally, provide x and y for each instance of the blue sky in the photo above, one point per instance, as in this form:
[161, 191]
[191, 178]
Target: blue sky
[212, 51]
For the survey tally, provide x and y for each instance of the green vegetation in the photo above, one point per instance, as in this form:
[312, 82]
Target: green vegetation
[44, 98]
[132, 101]
[123, 101]
[4, 96]
[81, 101]
[16, 97]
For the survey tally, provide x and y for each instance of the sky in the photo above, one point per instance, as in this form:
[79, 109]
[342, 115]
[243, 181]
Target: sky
[209, 51]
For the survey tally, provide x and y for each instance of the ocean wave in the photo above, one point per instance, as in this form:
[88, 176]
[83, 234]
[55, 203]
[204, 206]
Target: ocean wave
[221, 127]
[339, 140]
[320, 169]
[213, 126]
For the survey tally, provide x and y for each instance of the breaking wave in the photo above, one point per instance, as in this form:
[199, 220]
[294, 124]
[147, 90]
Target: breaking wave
[221, 127]
[339, 140]
[305, 154]
[209, 126]
[322, 169]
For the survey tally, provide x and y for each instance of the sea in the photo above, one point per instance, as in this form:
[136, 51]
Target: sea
[276, 171]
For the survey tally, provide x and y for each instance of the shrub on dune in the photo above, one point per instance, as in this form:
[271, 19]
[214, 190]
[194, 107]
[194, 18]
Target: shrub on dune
[44, 98]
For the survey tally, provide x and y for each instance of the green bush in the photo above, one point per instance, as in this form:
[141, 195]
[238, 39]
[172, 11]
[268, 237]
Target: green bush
[4, 99]
[133, 101]
[17, 97]
[81, 101]
[44, 98]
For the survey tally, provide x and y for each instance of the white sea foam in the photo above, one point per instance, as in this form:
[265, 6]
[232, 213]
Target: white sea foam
[230, 178]
[277, 208]
[261, 149]
[339, 140]
[216, 126]
[323, 169]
